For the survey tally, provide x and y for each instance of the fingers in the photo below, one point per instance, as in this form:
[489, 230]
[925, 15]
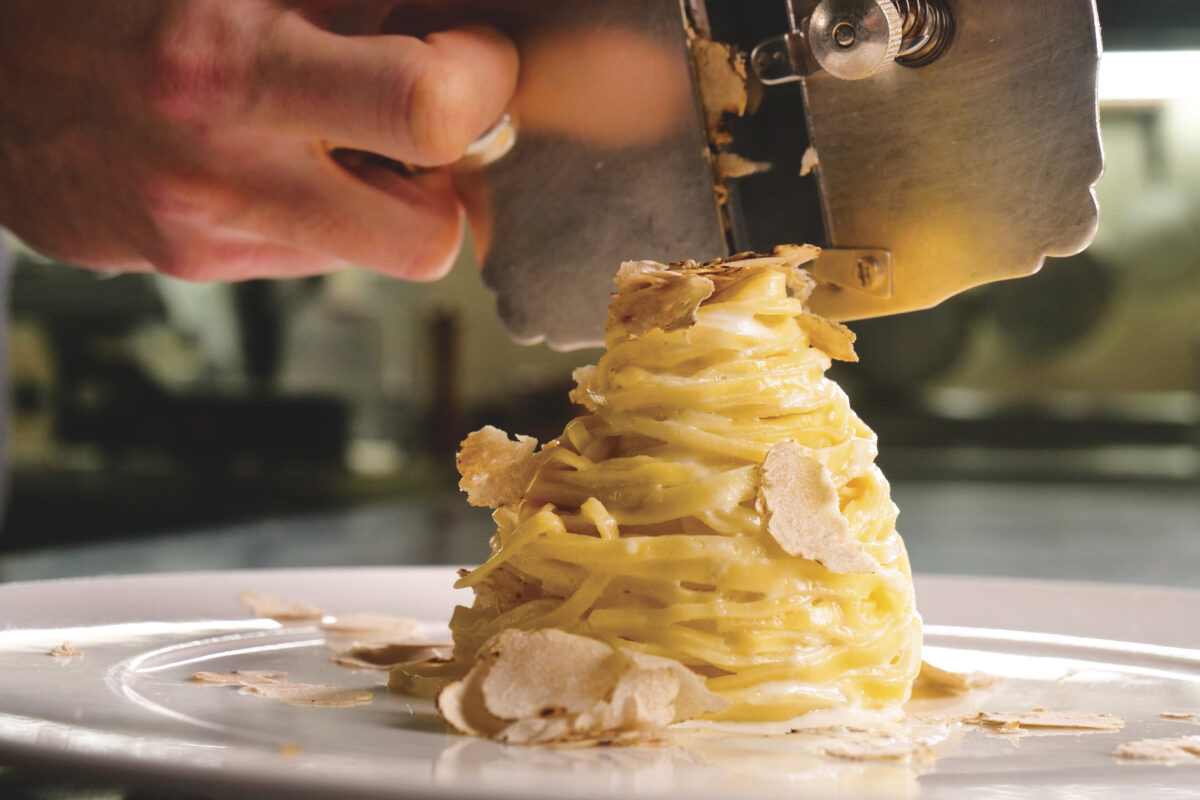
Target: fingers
[477, 202]
[203, 256]
[301, 216]
[406, 227]
[287, 208]
[420, 101]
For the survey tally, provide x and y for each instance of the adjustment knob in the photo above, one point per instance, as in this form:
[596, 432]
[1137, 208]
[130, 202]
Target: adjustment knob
[854, 39]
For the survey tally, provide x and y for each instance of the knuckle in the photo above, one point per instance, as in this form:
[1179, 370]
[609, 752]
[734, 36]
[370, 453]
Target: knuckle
[183, 260]
[199, 63]
[249, 261]
[194, 201]
[309, 220]
[442, 111]
[434, 257]
[169, 197]
[190, 214]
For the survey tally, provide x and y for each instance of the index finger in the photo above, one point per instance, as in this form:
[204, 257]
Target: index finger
[420, 101]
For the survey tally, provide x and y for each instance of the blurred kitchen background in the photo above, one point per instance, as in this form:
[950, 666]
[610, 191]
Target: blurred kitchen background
[141, 405]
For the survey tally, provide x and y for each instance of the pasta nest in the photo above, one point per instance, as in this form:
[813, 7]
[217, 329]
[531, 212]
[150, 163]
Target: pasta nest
[650, 524]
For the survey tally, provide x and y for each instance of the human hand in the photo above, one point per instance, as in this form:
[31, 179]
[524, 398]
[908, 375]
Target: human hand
[197, 137]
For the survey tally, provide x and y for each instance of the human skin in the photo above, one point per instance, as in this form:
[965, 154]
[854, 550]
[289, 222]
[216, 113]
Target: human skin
[206, 139]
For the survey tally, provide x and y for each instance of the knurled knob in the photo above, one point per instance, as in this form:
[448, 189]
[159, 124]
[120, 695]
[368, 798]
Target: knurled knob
[855, 39]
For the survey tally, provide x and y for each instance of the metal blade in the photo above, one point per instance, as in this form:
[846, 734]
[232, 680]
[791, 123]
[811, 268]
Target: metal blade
[972, 169]
[619, 171]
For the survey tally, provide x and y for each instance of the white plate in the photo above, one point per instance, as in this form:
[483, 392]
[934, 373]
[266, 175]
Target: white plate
[125, 710]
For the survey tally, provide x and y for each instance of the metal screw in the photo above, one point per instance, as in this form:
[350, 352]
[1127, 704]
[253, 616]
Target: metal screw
[867, 272]
[844, 35]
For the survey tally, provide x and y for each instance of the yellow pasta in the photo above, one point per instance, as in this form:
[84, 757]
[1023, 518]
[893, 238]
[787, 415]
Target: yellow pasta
[643, 525]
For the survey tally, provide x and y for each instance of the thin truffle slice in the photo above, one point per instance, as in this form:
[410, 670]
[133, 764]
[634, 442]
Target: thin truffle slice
[832, 337]
[809, 161]
[721, 74]
[1182, 749]
[693, 698]
[585, 378]
[391, 654]
[867, 748]
[643, 698]
[278, 608]
[654, 296]
[1180, 715]
[731, 165]
[1083, 720]
[310, 694]
[495, 470]
[800, 501]
[274, 685]
[958, 682]
[65, 651]
[553, 687]
[547, 672]
[241, 677]
[650, 296]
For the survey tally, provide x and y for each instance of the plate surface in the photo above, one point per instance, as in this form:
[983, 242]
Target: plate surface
[126, 709]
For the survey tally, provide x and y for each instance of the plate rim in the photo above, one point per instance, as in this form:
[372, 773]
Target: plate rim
[265, 781]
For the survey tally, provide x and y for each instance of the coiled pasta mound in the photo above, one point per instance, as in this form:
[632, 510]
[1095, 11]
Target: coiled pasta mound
[718, 505]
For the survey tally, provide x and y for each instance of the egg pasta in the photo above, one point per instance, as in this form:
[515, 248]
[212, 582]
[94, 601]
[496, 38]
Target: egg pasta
[644, 524]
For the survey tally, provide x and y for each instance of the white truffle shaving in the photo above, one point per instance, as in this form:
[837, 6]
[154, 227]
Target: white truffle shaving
[275, 685]
[1182, 749]
[244, 677]
[65, 651]
[800, 501]
[809, 161]
[1082, 720]
[279, 609]
[651, 296]
[1180, 715]
[391, 654]
[495, 470]
[551, 687]
[832, 338]
[310, 694]
[957, 682]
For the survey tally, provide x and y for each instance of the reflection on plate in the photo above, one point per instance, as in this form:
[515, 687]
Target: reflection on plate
[125, 708]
